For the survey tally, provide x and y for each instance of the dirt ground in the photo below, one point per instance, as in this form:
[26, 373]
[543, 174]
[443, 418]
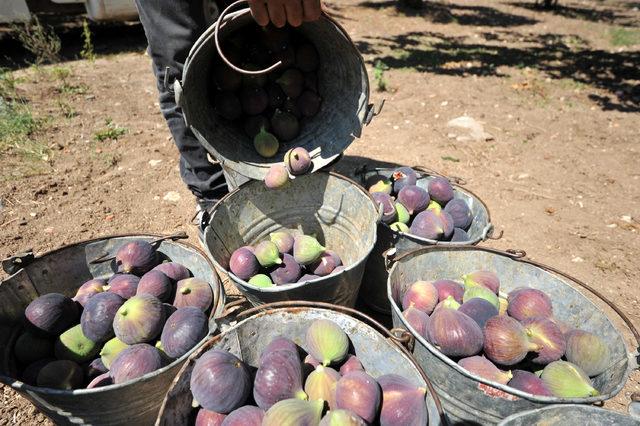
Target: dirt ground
[558, 93]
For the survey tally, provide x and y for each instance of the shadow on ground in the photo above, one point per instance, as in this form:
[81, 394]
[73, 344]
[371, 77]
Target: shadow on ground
[557, 56]
[607, 16]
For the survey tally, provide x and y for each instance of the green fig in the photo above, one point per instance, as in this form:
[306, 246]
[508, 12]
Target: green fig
[321, 383]
[306, 249]
[399, 227]
[111, 349]
[587, 351]
[383, 185]
[342, 418]
[261, 280]
[449, 302]
[75, 346]
[327, 342]
[482, 293]
[402, 213]
[267, 254]
[266, 144]
[294, 412]
[567, 380]
[433, 205]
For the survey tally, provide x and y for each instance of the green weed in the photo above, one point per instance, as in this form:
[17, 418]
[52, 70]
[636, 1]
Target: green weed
[111, 131]
[378, 75]
[624, 36]
[87, 51]
[41, 41]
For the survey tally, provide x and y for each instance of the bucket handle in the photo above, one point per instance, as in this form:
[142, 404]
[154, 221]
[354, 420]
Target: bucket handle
[520, 256]
[218, 24]
[362, 317]
[106, 257]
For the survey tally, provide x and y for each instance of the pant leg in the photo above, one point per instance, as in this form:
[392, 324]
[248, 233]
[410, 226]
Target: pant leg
[171, 27]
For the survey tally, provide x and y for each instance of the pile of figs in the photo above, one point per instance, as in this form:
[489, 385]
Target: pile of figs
[269, 108]
[142, 318]
[284, 258]
[323, 386]
[433, 213]
[512, 339]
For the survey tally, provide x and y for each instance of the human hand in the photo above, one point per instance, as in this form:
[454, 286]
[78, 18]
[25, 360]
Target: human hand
[281, 12]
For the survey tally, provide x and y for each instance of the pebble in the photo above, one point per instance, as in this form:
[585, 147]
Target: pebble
[171, 196]
[154, 163]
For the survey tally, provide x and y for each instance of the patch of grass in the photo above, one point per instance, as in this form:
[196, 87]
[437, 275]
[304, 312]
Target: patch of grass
[41, 41]
[378, 75]
[67, 88]
[450, 158]
[87, 51]
[17, 129]
[60, 73]
[66, 109]
[624, 36]
[110, 131]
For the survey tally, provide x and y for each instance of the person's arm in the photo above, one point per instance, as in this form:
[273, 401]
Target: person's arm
[281, 12]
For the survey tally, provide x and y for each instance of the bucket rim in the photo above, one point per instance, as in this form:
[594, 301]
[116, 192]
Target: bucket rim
[297, 306]
[508, 389]
[293, 286]
[20, 386]
[487, 231]
[592, 409]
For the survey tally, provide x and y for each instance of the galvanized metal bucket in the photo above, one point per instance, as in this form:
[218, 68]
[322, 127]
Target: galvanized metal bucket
[569, 414]
[341, 214]
[468, 397]
[375, 346]
[343, 85]
[63, 271]
[391, 243]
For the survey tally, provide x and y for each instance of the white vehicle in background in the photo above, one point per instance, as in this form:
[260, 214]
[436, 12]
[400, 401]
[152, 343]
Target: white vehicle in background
[96, 10]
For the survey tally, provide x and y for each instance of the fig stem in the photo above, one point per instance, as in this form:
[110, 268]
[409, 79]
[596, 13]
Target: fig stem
[185, 290]
[302, 395]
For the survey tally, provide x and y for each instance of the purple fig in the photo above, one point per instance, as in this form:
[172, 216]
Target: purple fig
[276, 97]
[485, 279]
[183, 330]
[306, 249]
[321, 383]
[448, 288]
[94, 369]
[307, 277]
[30, 347]
[283, 240]
[226, 78]
[291, 81]
[588, 351]
[220, 382]
[449, 303]
[359, 392]
[247, 415]
[342, 418]
[480, 366]
[139, 319]
[88, 289]
[294, 412]
[124, 285]
[529, 382]
[311, 361]
[307, 58]
[52, 313]
[98, 314]
[266, 144]
[277, 177]
[481, 293]
[403, 176]
[447, 224]
[480, 310]
[311, 81]
[459, 236]
[309, 103]
[297, 161]
[61, 374]
[427, 225]
[100, 380]
[386, 205]
[254, 100]
[285, 125]
[381, 185]
[351, 364]
[328, 261]
[133, 362]
[136, 257]
[280, 343]
[279, 377]
[193, 292]
[440, 190]
[529, 303]
[287, 272]
[169, 309]
[327, 342]
[403, 404]
[414, 198]
[506, 341]
[548, 337]
[227, 105]
[157, 284]
[173, 270]
[417, 319]
[454, 333]
[291, 106]
[253, 80]
[460, 213]
[567, 380]
[110, 351]
[421, 295]
[267, 254]
[209, 418]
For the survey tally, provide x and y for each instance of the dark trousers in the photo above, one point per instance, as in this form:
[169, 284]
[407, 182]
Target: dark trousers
[171, 27]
